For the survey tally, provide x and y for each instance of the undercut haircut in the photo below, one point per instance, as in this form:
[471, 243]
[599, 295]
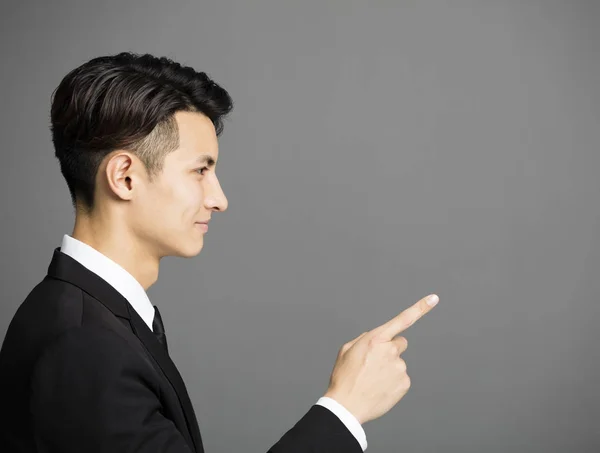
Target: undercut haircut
[126, 101]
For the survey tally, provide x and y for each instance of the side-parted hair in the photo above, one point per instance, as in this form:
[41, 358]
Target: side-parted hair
[126, 101]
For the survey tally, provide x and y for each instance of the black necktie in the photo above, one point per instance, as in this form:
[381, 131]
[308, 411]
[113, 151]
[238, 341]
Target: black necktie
[159, 329]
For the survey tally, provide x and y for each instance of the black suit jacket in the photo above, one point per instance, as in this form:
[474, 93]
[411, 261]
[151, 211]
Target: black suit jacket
[80, 372]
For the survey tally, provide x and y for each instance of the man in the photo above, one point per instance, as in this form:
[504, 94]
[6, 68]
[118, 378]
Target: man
[84, 366]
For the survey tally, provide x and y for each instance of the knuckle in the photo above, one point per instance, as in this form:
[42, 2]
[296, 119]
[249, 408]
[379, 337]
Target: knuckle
[401, 365]
[408, 322]
[398, 347]
[373, 341]
[403, 342]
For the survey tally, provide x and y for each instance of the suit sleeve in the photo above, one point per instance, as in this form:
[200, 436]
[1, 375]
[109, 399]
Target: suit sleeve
[88, 394]
[318, 431]
[347, 418]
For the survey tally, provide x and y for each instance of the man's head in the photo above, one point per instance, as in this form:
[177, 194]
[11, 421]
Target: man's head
[136, 138]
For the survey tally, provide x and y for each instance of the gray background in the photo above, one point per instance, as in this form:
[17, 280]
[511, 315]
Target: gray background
[378, 152]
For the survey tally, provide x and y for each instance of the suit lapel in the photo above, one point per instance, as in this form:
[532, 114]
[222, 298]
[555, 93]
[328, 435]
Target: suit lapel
[65, 268]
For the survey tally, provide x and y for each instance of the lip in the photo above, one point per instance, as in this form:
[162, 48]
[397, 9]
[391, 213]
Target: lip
[203, 226]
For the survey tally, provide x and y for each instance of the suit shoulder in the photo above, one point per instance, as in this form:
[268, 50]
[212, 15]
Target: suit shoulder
[54, 306]
[50, 308]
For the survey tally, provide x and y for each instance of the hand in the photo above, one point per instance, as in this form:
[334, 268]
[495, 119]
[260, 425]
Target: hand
[369, 376]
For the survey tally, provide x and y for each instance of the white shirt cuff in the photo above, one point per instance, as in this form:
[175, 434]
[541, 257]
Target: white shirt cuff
[347, 419]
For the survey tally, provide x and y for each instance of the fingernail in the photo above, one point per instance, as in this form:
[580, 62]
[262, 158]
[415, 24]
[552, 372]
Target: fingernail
[432, 300]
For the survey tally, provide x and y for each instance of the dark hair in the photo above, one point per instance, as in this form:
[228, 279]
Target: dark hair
[126, 101]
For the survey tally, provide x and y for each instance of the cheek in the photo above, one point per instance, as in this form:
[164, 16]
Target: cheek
[188, 198]
[166, 203]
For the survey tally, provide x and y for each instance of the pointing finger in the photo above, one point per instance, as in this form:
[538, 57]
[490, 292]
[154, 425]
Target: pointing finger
[407, 318]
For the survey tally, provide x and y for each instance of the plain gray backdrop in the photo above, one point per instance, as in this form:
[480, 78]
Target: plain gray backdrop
[378, 152]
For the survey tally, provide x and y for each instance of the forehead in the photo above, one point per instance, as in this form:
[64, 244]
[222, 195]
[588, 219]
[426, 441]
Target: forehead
[197, 136]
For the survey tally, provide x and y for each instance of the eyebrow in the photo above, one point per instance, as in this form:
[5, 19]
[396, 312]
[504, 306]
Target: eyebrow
[210, 162]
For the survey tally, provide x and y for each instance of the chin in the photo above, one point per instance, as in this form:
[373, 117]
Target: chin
[192, 250]
[184, 249]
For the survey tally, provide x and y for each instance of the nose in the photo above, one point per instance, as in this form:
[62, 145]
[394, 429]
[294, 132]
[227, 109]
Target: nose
[214, 198]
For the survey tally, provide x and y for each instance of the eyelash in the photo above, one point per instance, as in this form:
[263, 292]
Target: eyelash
[203, 168]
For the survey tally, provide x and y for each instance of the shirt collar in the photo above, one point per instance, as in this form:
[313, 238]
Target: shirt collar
[113, 273]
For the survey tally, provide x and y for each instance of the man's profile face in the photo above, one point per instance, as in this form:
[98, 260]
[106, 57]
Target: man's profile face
[184, 193]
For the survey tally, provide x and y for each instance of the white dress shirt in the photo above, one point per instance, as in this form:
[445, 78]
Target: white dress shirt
[132, 290]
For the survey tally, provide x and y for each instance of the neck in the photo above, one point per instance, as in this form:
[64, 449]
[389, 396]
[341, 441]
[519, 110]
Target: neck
[117, 242]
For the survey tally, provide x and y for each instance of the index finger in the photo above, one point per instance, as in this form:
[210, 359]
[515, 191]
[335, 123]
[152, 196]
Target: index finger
[407, 318]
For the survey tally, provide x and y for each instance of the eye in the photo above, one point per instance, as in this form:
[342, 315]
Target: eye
[199, 170]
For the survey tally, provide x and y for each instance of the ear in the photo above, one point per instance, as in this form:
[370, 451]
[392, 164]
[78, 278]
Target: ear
[123, 174]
